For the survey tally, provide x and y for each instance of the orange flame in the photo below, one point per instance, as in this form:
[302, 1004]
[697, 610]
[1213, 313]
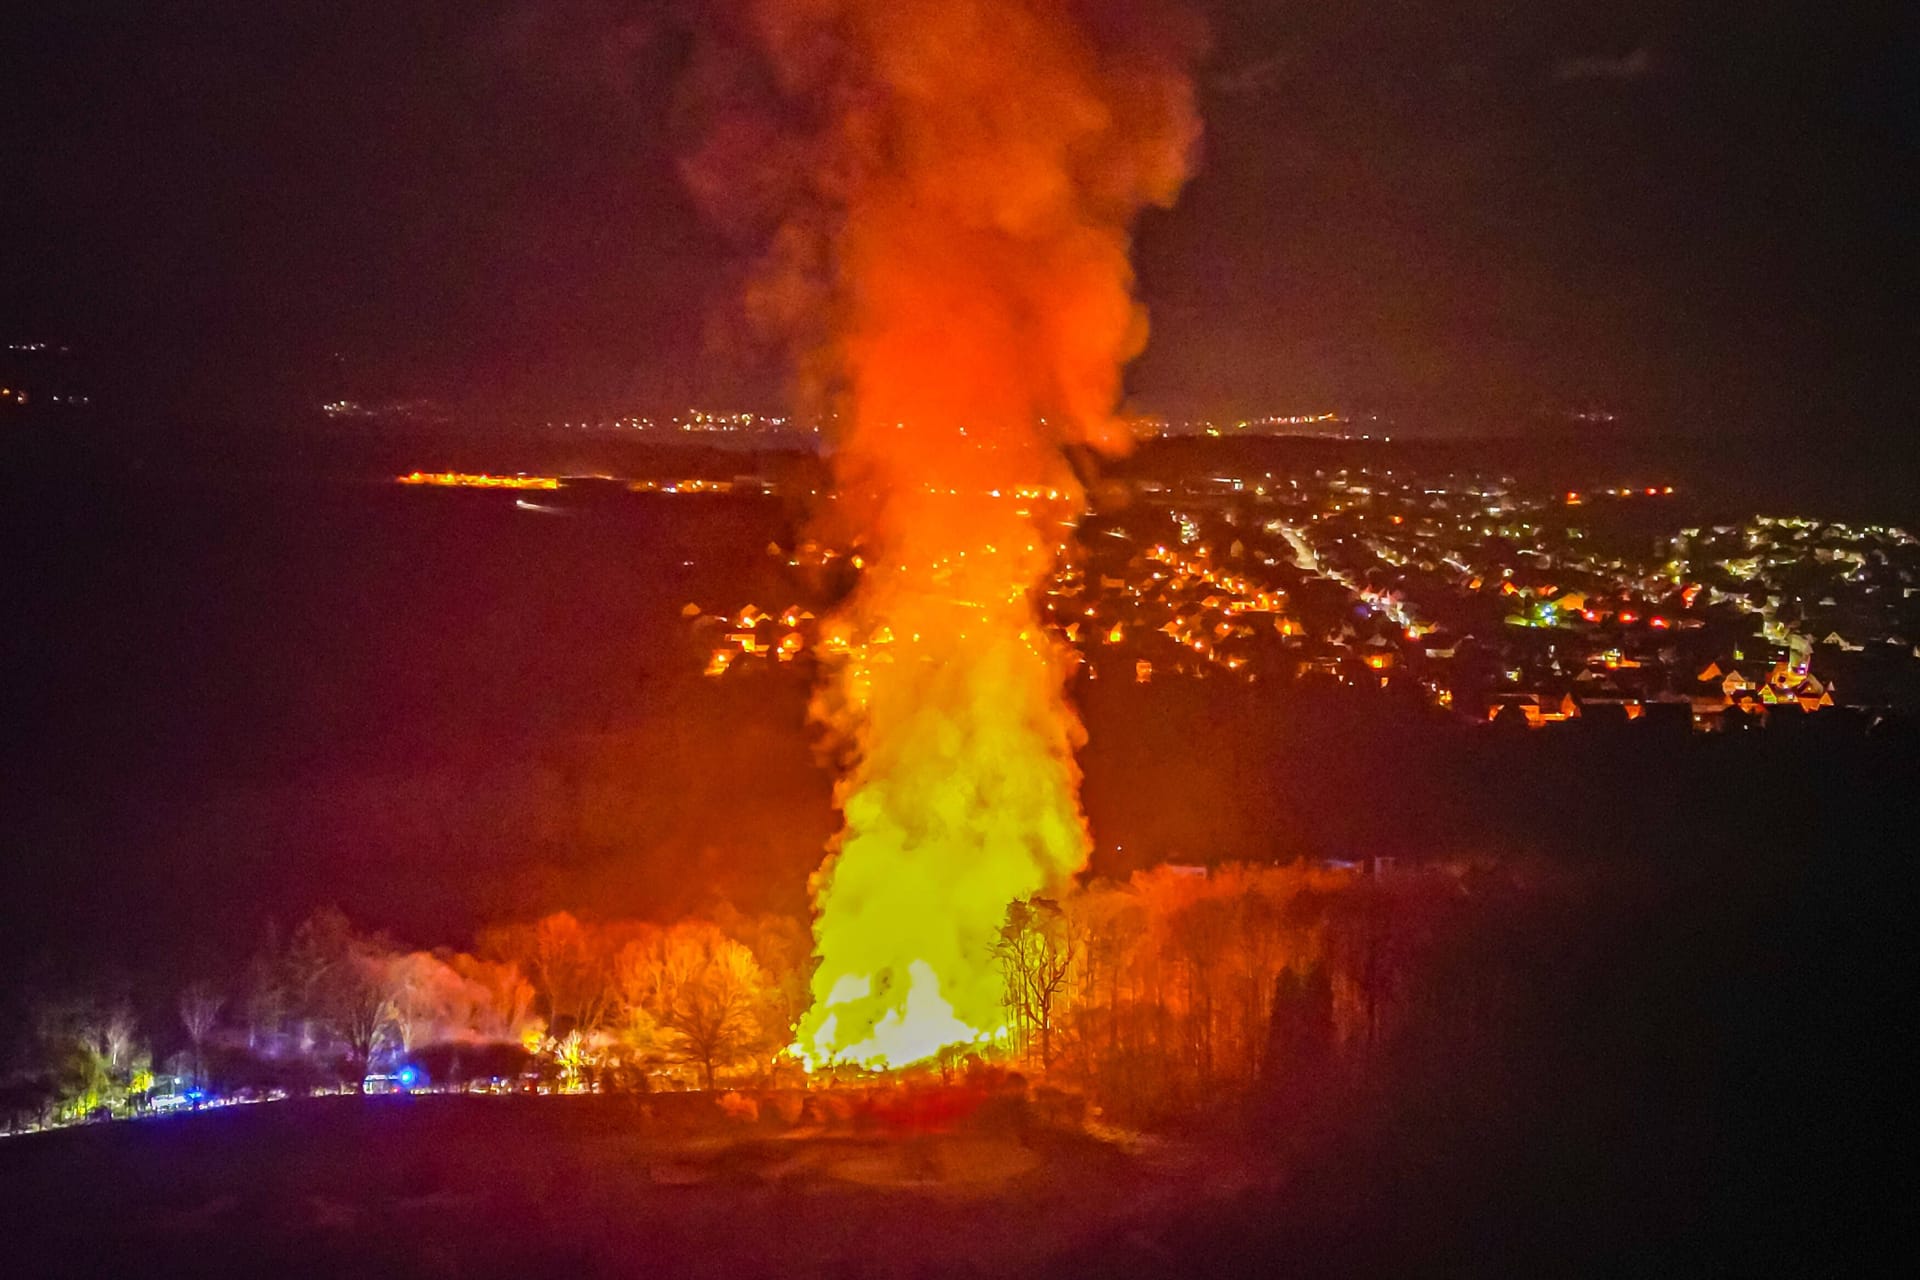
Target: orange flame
[951, 264]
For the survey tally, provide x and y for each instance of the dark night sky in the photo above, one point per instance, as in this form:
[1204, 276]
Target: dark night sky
[1457, 212]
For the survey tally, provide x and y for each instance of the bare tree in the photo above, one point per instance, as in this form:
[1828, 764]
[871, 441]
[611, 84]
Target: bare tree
[1108, 924]
[1202, 938]
[714, 1009]
[199, 1010]
[343, 982]
[783, 946]
[118, 1031]
[267, 996]
[644, 982]
[363, 1009]
[1036, 952]
[72, 1039]
[570, 964]
[702, 988]
[413, 1007]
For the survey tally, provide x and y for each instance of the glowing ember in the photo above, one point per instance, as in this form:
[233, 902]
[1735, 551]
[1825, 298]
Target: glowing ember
[952, 264]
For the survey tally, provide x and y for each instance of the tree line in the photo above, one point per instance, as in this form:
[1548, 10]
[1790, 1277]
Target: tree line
[1148, 995]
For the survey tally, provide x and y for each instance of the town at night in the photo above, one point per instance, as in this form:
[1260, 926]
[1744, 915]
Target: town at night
[855, 638]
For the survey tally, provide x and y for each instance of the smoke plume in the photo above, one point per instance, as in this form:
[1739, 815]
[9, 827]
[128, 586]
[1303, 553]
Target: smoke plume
[946, 189]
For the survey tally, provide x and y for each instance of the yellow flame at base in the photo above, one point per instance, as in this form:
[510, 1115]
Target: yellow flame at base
[962, 793]
[918, 1028]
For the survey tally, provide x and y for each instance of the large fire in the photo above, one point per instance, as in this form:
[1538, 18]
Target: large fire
[959, 181]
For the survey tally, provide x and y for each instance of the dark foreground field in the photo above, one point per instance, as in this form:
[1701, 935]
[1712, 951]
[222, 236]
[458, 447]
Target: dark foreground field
[456, 1186]
[1448, 1184]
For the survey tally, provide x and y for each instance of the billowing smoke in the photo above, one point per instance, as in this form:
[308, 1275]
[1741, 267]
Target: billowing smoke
[953, 183]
